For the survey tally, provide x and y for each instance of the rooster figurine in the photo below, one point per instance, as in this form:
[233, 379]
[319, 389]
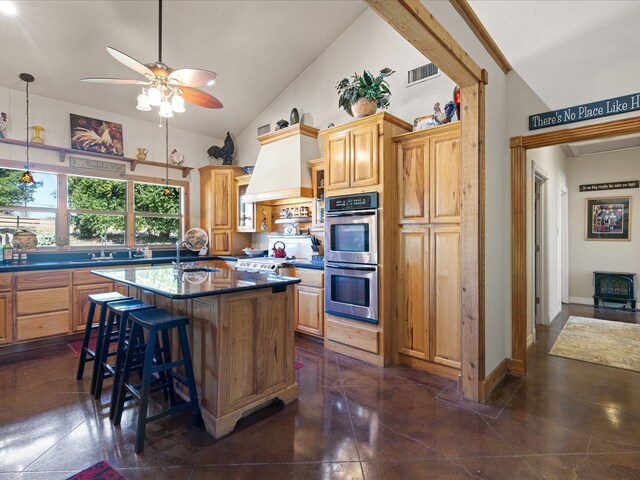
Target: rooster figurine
[438, 115]
[224, 153]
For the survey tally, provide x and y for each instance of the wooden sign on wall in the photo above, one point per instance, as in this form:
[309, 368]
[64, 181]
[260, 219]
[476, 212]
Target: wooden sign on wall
[96, 165]
[587, 111]
[592, 187]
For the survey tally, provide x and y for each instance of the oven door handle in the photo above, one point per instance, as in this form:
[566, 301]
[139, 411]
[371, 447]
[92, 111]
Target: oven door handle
[362, 213]
[348, 266]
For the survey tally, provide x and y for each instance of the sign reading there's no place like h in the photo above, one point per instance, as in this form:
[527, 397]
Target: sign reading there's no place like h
[588, 111]
[592, 187]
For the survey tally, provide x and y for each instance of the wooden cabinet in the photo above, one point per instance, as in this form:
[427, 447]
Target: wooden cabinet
[42, 304]
[317, 184]
[309, 301]
[337, 149]
[250, 216]
[428, 292]
[218, 209]
[6, 308]
[81, 303]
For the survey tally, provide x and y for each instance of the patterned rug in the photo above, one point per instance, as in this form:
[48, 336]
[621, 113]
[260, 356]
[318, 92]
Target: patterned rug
[76, 345]
[614, 344]
[99, 471]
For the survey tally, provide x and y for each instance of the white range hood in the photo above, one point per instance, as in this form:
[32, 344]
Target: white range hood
[281, 170]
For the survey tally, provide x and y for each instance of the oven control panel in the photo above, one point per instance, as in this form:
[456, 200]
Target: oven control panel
[361, 201]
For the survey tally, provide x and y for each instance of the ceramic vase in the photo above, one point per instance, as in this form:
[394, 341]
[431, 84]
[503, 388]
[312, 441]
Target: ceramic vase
[363, 107]
[294, 117]
[37, 131]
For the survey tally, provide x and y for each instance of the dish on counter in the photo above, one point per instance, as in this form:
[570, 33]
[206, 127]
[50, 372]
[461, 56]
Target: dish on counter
[254, 252]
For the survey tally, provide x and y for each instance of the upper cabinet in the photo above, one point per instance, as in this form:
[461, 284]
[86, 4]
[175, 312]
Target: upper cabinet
[251, 216]
[354, 151]
[218, 209]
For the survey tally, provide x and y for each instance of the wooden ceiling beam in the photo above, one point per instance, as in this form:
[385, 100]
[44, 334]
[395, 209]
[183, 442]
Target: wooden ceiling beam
[416, 24]
[476, 26]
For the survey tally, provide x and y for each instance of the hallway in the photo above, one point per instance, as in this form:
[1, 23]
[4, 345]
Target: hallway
[566, 420]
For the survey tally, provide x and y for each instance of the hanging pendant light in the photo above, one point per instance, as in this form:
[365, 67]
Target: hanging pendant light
[167, 191]
[27, 176]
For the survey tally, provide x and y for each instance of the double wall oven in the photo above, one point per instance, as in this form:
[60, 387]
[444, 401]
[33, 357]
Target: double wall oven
[351, 256]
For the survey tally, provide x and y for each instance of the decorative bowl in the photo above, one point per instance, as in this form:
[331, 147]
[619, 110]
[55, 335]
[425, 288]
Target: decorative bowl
[254, 253]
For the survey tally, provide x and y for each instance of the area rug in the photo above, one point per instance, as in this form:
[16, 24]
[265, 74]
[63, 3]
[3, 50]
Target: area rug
[614, 344]
[297, 365]
[99, 471]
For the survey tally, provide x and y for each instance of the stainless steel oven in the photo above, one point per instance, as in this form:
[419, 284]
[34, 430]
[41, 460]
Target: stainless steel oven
[351, 290]
[351, 229]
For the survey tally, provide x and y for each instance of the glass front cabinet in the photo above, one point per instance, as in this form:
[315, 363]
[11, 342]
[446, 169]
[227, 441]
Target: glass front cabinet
[317, 181]
[251, 217]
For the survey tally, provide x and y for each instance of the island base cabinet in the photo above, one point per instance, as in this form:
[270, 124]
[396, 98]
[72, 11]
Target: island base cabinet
[242, 346]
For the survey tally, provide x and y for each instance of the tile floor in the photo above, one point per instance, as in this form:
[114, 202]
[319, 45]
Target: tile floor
[566, 420]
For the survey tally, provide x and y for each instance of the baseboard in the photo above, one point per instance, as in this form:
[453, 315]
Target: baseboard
[516, 367]
[581, 300]
[531, 338]
[554, 313]
[492, 380]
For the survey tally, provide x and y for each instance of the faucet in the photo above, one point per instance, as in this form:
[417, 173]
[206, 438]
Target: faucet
[179, 243]
[103, 244]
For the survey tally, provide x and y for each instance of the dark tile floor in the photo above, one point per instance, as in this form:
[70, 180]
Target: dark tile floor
[566, 420]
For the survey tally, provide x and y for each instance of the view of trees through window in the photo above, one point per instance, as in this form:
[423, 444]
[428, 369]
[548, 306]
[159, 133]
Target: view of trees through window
[97, 208]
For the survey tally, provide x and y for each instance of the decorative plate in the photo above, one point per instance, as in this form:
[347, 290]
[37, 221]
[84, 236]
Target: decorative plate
[198, 239]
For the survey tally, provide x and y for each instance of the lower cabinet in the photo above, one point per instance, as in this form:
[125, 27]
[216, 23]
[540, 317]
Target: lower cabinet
[309, 301]
[81, 303]
[6, 318]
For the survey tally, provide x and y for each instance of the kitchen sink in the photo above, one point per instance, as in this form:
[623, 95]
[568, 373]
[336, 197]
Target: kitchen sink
[200, 269]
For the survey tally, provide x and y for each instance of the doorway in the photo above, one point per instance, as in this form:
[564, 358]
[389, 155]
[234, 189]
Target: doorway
[539, 249]
[521, 273]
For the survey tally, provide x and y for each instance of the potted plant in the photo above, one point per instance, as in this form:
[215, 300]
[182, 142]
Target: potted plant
[364, 94]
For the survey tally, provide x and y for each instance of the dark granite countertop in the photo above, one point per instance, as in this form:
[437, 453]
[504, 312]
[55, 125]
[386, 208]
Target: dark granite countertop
[162, 280]
[307, 264]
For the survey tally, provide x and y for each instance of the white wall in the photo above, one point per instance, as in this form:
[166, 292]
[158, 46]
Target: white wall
[587, 256]
[369, 43]
[53, 115]
[551, 163]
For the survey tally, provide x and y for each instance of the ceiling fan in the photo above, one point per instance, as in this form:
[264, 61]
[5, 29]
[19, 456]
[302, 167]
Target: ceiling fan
[163, 86]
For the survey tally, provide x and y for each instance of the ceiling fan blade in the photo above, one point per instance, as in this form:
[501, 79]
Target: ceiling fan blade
[130, 62]
[193, 77]
[198, 97]
[116, 81]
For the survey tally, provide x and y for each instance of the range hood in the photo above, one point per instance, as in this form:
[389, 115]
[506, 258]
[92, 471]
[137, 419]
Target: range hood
[281, 170]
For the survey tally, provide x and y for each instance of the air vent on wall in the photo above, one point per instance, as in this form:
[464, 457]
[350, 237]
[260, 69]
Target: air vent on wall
[264, 129]
[420, 74]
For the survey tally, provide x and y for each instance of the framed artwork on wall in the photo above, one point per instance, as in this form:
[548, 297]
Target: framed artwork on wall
[98, 136]
[608, 218]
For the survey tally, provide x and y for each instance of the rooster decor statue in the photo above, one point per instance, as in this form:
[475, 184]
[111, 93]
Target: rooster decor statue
[224, 153]
[446, 116]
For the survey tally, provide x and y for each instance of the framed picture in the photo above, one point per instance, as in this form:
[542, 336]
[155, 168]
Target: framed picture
[98, 136]
[420, 123]
[608, 218]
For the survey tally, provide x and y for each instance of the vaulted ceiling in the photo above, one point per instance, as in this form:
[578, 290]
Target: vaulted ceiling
[257, 48]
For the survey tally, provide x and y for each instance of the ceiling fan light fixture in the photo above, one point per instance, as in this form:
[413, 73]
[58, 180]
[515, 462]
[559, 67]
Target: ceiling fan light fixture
[143, 102]
[155, 96]
[177, 103]
[165, 109]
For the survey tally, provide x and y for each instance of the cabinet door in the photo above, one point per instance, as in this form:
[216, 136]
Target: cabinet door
[412, 161]
[412, 292]
[81, 304]
[6, 318]
[223, 188]
[446, 295]
[364, 156]
[336, 150]
[309, 310]
[220, 242]
[445, 184]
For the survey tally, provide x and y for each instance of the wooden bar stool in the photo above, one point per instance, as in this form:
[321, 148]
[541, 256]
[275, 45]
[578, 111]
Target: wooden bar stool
[158, 371]
[117, 315]
[86, 353]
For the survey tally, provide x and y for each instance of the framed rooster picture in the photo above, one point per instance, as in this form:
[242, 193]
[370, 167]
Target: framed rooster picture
[98, 136]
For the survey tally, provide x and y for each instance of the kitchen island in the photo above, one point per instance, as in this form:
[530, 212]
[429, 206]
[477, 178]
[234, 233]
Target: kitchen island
[241, 334]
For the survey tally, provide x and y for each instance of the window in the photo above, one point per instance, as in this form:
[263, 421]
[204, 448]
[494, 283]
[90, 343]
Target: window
[89, 208]
[97, 209]
[29, 206]
[157, 218]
